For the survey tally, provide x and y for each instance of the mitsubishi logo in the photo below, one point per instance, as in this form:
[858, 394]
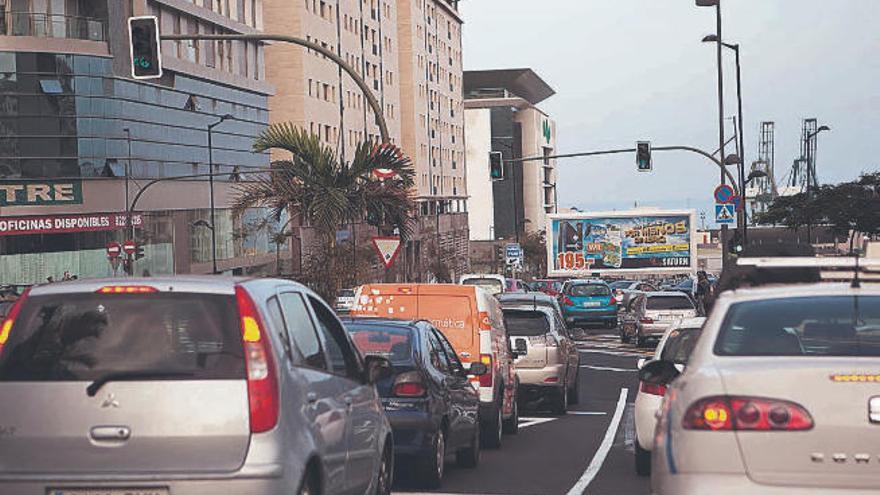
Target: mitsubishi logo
[110, 401]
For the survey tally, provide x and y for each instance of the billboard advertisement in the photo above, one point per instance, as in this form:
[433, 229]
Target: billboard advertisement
[622, 242]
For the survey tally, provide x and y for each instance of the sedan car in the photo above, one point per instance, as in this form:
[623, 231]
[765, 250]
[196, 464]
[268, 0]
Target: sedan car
[433, 409]
[654, 312]
[588, 301]
[187, 386]
[675, 346]
[779, 396]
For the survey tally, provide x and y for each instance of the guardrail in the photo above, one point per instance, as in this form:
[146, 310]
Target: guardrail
[52, 26]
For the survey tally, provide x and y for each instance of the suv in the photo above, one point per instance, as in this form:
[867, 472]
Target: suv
[651, 314]
[588, 301]
[547, 358]
[187, 386]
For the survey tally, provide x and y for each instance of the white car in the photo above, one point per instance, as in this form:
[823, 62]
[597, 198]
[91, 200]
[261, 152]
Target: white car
[675, 346]
[781, 395]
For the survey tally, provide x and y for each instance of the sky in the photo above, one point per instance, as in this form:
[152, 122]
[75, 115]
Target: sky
[630, 70]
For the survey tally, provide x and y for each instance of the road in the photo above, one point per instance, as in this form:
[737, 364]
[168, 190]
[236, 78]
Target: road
[570, 454]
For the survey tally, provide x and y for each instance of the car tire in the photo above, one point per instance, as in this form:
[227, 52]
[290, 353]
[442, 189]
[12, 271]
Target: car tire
[643, 460]
[309, 485]
[574, 393]
[432, 466]
[560, 402]
[491, 430]
[385, 476]
[469, 457]
[624, 337]
[510, 426]
[640, 341]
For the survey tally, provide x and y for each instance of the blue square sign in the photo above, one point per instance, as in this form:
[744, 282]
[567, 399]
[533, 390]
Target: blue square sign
[725, 213]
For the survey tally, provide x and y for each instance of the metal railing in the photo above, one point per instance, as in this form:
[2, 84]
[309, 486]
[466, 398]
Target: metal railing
[43, 25]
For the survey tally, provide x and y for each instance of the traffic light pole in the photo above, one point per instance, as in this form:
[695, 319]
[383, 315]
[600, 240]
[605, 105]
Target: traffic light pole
[365, 89]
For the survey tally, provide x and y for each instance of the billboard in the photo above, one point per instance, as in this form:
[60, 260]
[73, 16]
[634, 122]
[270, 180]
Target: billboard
[621, 242]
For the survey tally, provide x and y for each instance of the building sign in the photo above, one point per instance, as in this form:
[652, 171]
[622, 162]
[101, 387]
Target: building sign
[40, 192]
[546, 130]
[65, 224]
[621, 242]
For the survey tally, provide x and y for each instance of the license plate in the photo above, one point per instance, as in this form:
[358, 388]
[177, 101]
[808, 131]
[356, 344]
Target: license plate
[592, 304]
[107, 491]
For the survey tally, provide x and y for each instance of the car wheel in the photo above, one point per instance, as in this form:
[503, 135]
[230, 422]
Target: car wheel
[640, 341]
[385, 477]
[511, 425]
[309, 485]
[624, 337]
[470, 457]
[433, 465]
[643, 460]
[491, 430]
[574, 393]
[560, 402]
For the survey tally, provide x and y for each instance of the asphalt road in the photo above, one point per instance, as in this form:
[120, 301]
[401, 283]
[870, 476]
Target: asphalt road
[588, 451]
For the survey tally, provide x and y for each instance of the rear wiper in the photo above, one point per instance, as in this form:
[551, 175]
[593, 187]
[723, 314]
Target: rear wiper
[122, 376]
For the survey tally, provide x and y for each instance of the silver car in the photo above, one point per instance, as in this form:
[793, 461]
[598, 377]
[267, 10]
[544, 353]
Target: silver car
[186, 386]
[654, 312]
[779, 397]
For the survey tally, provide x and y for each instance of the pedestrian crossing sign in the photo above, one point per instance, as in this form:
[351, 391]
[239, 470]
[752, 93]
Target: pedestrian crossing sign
[725, 213]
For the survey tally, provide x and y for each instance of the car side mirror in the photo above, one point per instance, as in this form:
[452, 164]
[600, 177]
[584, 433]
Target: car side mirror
[478, 369]
[377, 368]
[641, 363]
[658, 372]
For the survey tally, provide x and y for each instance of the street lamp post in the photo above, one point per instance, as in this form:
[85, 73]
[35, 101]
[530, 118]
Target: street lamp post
[213, 226]
[812, 182]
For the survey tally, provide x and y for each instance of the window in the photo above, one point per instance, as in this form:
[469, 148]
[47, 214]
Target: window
[438, 356]
[669, 303]
[342, 359]
[301, 329]
[679, 345]
[454, 362]
[277, 322]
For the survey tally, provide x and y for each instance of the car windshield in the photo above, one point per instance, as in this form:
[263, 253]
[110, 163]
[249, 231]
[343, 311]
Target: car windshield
[589, 290]
[494, 286]
[669, 302]
[522, 323]
[84, 336]
[621, 284]
[802, 326]
[392, 342]
[680, 344]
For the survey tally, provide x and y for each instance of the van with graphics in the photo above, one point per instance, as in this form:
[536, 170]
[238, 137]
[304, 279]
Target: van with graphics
[472, 321]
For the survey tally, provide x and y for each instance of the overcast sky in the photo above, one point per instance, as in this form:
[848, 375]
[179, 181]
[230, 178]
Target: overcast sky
[626, 70]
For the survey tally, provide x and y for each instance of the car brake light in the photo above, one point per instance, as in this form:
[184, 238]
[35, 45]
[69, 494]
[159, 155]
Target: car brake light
[567, 301]
[646, 320]
[408, 385]
[613, 301]
[262, 382]
[127, 289]
[485, 323]
[6, 326]
[652, 389]
[486, 379]
[746, 414]
[551, 379]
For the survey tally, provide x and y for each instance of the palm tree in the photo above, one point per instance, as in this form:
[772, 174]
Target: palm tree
[328, 193]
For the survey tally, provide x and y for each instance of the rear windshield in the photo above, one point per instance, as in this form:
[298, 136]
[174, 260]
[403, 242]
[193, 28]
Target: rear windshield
[492, 285]
[586, 290]
[802, 326]
[526, 323]
[85, 336]
[621, 284]
[346, 293]
[669, 302]
[394, 343]
[680, 344]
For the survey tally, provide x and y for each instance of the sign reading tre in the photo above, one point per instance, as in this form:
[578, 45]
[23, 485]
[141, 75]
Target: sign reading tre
[41, 193]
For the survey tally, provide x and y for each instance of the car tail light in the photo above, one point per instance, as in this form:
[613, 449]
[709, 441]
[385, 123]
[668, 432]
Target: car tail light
[408, 384]
[262, 382]
[746, 414]
[567, 301]
[6, 326]
[486, 380]
[551, 379]
[652, 389]
[485, 322]
[613, 301]
[127, 289]
[646, 320]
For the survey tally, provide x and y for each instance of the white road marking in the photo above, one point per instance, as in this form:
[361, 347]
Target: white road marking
[587, 413]
[604, 447]
[525, 422]
[606, 368]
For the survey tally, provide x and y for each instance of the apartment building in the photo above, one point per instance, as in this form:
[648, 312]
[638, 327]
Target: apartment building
[75, 128]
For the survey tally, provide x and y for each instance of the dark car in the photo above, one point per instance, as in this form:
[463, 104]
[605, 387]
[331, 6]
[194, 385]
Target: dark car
[429, 400]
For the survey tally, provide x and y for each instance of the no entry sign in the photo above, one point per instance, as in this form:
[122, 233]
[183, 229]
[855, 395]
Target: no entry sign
[113, 250]
[129, 247]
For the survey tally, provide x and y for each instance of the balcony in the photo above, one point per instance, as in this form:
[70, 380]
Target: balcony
[58, 26]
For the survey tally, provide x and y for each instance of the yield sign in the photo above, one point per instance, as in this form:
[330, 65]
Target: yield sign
[388, 248]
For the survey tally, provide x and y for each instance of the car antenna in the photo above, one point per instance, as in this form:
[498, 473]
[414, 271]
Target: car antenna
[856, 283]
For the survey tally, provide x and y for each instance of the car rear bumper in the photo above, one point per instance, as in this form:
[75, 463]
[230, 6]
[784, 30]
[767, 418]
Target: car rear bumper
[736, 484]
[653, 329]
[540, 376]
[590, 315]
[412, 431]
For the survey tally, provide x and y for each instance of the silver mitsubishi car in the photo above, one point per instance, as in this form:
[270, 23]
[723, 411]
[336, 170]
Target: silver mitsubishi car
[186, 386]
[781, 395]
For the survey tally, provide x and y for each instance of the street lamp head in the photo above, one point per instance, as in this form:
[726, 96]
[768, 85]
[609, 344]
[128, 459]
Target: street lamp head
[732, 159]
[227, 116]
[707, 3]
[756, 174]
[710, 38]
[823, 128]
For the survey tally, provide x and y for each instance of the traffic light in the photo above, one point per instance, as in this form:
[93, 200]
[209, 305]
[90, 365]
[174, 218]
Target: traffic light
[139, 253]
[735, 244]
[496, 165]
[146, 59]
[643, 156]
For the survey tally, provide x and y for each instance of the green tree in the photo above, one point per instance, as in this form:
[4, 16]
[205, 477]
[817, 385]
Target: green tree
[328, 193]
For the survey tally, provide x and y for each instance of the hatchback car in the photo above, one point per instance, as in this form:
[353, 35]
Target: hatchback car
[185, 386]
[779, 396]
[432, 407]
[653, 312]
[676, 347]
[588, 301]
[547, 286]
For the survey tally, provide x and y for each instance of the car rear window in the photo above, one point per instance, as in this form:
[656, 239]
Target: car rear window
[588, 290]
[669, 303]
[526, 323]
[393, 343]
[802, 326]
[494, 286]
[621, 284]
[75, 337]
[679, 345]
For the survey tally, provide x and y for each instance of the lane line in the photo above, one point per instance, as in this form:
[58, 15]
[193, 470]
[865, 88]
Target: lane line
[587, 413]
[604, 447]
[525, 422]
[606, 368]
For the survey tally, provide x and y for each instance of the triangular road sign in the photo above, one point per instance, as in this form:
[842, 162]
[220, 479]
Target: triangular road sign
[387, 248]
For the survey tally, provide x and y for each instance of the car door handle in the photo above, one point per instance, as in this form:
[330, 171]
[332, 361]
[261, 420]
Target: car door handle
[311, 398]
[110, 433]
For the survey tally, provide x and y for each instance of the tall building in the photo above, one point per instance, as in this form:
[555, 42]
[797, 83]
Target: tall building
[502, 116]
[409, 53]
[79, 138]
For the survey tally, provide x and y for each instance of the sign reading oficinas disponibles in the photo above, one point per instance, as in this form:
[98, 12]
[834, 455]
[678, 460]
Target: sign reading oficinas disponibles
[40, 192]
[64, 224]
